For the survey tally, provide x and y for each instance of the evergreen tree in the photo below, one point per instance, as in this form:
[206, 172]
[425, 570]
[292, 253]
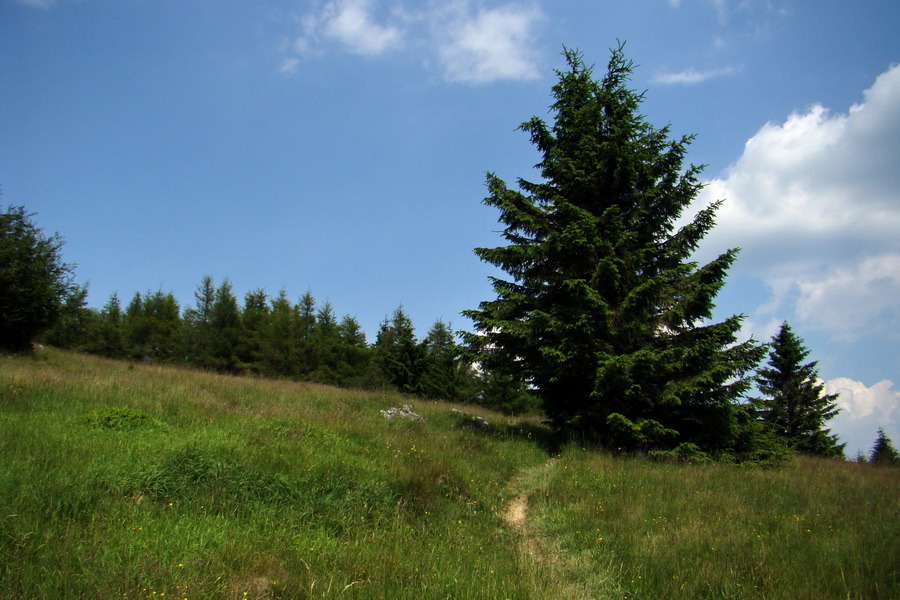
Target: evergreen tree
[324, 346]
[110, 339]
[306, 331]
[883, 452]
[255, 317]
[356, 367]
[198, 324]
[397, 353]
[795, 407]
[443, 372]
[603, 314]
[153, 326]
[225, 324]
[280, 348]
[75, 321]
[34, 281]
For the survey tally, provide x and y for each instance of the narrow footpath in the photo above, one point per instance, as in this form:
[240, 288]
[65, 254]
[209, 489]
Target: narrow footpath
[532, 545]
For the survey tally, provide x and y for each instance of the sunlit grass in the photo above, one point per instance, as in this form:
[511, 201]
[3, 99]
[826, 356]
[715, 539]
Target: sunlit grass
[244, 488]
[141, 481]
[813, 529]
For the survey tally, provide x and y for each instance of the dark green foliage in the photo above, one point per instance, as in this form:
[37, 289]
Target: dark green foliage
[34, 281]
[120, 419]
[603, 313]
[501, 392]
[883, 452]
[75, 322]
[795, 407]
[255, 316]
[153, 326]
[108, 337]
[398, 354]
[443, 372]
[227, 326]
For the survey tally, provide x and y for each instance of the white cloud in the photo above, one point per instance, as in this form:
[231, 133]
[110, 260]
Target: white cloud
[289, 65]
[471, 42]
[857, 300]
[863, 410]
[815, 204]
[352, 24]
[691, 76]
[492, 44]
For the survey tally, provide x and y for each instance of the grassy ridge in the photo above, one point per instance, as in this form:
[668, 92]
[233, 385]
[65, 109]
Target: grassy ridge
[142, 481]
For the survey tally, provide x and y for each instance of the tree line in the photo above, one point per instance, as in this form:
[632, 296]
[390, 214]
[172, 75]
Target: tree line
[272, 336]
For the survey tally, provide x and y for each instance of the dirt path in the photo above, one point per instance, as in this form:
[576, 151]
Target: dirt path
[532, 546]
[516, 515]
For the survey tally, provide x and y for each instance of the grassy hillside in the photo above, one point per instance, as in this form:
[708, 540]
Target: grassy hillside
[141, 481]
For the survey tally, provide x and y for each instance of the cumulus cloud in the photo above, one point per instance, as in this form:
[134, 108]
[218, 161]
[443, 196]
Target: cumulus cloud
[491, 44]
[814, 202]
[863, 410]
[470, 42]
[691, 76]
[350, 23]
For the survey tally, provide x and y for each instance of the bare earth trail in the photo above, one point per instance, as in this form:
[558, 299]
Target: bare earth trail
[532, 546]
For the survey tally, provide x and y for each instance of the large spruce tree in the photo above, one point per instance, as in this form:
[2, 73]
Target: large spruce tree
[795, 406]
[604, 314]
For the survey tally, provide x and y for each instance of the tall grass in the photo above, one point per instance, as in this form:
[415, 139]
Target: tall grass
[238, 488]
[140, 481]
[813, 529]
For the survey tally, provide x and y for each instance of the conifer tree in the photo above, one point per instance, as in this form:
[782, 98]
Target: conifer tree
[398, 354]
[795, 407]
[883, 452]
[280, 344]
[153, 326]
[603, 313]
[254, 316]
[110, 337]
[198, 324]
[443, 374]
[34, 281]
[225, 324]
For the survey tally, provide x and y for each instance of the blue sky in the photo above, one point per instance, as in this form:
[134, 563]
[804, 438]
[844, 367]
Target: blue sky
[340, 146]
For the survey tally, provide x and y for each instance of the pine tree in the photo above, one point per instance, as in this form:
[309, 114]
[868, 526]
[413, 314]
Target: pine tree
[883, 452]
[398, 354]
[604, 315]
[226, 329]
[443, 373]
[198, 325]
[153, 326]
[110, 337]
[794, 406]
[279, 348]
[255, 317]
[34, 281]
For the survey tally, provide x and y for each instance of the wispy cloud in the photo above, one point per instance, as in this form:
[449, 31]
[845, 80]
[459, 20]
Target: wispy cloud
[692, 76]
[470, 42]
[352, 24]
[815, 204]
[491, 44]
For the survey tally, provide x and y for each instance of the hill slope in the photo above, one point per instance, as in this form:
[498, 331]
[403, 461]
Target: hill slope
[142, 481]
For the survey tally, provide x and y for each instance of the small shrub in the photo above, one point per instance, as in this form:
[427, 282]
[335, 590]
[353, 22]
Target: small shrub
[686, 452]
[120, 419]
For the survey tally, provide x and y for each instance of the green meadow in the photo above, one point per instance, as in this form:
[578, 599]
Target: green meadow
[135, 480]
